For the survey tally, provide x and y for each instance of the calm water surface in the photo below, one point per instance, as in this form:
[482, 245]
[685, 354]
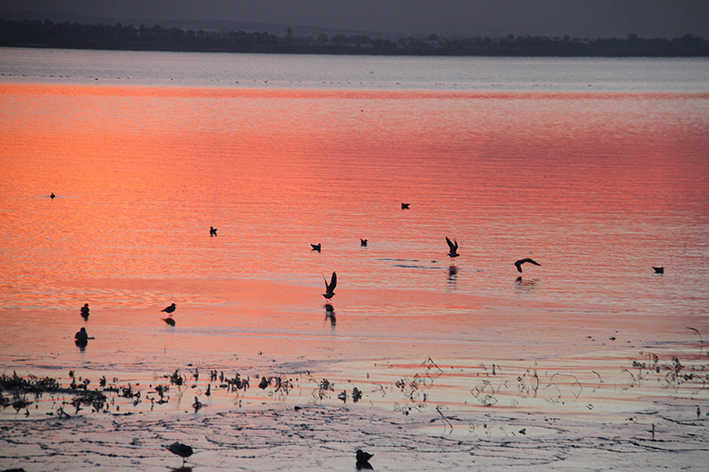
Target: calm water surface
[596, 168]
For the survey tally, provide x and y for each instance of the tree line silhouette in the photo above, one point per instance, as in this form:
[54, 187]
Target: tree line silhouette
[35, 33]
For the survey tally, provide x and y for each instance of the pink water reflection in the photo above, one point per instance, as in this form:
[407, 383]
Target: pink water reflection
[598, 187]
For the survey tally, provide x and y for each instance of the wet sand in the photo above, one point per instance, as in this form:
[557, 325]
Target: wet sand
[614, 409]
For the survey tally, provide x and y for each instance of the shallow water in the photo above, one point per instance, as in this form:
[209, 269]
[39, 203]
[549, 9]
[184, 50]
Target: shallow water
[597, 185]
[595, 168]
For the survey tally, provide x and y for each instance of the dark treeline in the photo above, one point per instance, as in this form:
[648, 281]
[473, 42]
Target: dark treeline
[82, 36]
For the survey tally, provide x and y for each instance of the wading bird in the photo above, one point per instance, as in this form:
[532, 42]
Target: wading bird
[169, 309]
[181, 450]
[330, 288]
[453, 246]
[363, 460]
[519, 263]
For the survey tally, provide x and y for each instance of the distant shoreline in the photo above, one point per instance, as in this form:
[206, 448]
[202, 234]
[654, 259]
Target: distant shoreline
[47, 34]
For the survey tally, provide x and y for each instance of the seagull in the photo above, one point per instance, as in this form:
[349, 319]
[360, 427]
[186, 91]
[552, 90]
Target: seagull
[169, 309]
[659, 270]
[169, 320]
[405, 206]
[363, 242]
[181, 450]
[330, 288]
[316, 247]
[453, 248]
[519, 263]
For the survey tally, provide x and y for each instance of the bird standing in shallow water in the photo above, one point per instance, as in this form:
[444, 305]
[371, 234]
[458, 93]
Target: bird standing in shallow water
[169, 309]
[363, 460]
[85, 311]
[181, 450]
[453, 246]
[330, 288]
[519, 263]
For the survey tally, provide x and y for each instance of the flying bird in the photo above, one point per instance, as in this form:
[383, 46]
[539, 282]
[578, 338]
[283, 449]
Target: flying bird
[330, 288]
[659, 270]
[181, 450]
[453, 248]
[519, 263]
[316, 247]
[169, 309]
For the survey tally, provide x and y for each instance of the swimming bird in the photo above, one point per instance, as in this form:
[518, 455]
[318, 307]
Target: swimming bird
[405, 206]
[659, 270]
[169, 309]
[85, 311]
[169, 320]
[363, 242]
[363, 460]
[212, 231]
[181, 450]
[519, 263]
[330, 288]
[316, 247]
[453, 248]
[52, 196]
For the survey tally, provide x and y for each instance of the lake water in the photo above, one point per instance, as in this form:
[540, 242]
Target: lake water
[596, 168]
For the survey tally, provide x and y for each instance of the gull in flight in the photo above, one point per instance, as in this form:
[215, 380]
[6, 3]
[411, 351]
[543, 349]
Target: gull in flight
[330, 288]
[519, 263]
[453, 248]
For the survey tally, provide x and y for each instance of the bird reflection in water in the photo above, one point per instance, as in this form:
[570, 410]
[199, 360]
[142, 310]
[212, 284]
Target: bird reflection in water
[525, 285]
[330, 314]
[182, 469]
[452, 275]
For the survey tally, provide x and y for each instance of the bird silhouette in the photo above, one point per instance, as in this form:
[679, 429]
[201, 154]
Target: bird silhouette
[363, 460]
[181, 450]
[363, 242]
[212, 231]
[169, 321]
[453, 246]
[330, 288]
[519, 263]
[169, 309]
[659, 270]
[85, 311]
[405, 206]
[316, 247]
[52, 196]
